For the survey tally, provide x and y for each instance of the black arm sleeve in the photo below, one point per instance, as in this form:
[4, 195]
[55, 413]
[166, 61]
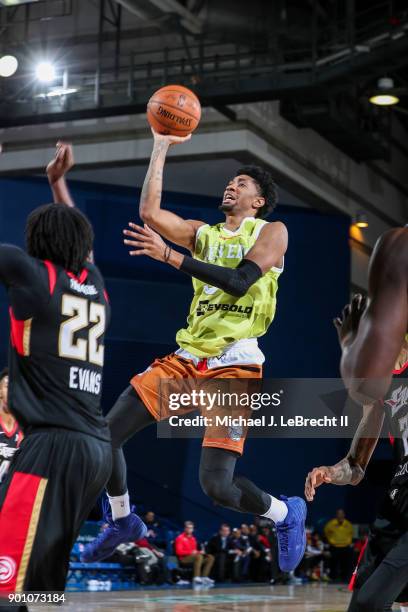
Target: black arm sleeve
[16, 267]
[235, 281]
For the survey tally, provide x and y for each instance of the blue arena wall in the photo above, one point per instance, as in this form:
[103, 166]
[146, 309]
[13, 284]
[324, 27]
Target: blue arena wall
[150, 303]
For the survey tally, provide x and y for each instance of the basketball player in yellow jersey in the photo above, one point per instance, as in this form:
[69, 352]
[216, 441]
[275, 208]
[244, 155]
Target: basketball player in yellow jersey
[235, 267]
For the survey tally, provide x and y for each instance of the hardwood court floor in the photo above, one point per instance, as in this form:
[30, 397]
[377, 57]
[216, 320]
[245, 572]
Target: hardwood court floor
[303, 598]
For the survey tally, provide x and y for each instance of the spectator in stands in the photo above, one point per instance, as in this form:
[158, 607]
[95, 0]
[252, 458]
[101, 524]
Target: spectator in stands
[188, 553]
[10, 433]
[269, 568]
[240, 551]
[311, 566]
[219, 546]
[339, 534]
[154, 530]
[157, 561]
[254, 550]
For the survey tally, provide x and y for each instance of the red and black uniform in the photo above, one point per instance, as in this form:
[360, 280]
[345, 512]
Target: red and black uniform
[9, 442]
[382, 573]
[58, 321]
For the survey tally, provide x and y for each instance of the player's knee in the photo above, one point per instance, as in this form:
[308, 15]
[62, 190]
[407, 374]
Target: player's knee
[216, 489]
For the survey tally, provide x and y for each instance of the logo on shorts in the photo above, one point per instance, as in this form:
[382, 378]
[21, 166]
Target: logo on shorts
[393, 494]
[398, 399]
[235, 433]
[8, 569]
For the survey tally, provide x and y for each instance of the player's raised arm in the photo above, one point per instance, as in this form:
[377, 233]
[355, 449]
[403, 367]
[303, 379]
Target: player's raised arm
[56, 171]
[267, 252]
[351, 469]
[171, 226]
[371, 344]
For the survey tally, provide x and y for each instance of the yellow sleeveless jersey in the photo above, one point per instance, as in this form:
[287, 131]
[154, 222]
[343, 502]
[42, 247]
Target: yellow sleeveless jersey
[216, 318]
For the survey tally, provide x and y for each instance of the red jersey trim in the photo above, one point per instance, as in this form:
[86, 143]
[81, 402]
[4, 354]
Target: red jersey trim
[52, 275]
[8, 434]
[401, 370]
[81, 278]
[20, 334]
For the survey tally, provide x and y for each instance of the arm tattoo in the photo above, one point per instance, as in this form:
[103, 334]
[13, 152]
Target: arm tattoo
[152, 186]
[351, 469]
[346, 472]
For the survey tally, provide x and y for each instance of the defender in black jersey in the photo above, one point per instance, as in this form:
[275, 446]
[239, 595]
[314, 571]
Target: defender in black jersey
[10, 432]
[373, 337]
[59, 312]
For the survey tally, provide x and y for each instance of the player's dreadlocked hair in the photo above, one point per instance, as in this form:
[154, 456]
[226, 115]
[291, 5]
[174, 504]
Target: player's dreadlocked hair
[4, 372]
[267, 188]
[60, 234]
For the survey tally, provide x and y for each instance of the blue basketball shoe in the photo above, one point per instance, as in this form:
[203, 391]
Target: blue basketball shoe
[127, 529]
[291, 534]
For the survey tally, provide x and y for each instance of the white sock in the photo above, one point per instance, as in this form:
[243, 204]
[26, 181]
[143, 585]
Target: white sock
[120, 506]
[277, 511]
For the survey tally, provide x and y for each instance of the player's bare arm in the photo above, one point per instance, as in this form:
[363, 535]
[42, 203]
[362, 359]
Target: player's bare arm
[56, 171]
[168, 224]
[351, 469]
[371, 339]
[267, 252]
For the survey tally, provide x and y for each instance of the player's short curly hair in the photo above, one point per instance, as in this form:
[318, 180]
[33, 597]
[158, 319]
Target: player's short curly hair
[61, 234]
[3, 373]
[267, 187]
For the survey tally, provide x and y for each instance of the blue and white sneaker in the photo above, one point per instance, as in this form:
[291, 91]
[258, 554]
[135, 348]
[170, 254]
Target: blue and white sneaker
[127, 529]
[291, 534]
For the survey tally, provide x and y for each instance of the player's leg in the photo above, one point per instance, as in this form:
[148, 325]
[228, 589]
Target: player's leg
[142, 404]
[59, 474]
[385, 584]
[126, 418]
[217, 472]
[219, 481]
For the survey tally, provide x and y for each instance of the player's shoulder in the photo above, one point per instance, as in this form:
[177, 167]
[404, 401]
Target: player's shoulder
[397, 236]
[273, 229]
[18, 259]
[391, 248]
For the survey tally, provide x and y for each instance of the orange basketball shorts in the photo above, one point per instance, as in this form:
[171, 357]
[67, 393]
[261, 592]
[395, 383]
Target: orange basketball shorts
[174, 373]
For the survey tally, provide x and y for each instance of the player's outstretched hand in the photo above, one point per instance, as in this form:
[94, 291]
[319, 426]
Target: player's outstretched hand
[62, 162]
[145, 241]
[169, 139]
[347, 324]
[314, 479]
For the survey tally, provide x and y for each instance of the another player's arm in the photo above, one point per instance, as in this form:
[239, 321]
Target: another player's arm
[171, 226]
[371, 346]
[56, 171]
[17, 269]
[267, 252]
[351, 469]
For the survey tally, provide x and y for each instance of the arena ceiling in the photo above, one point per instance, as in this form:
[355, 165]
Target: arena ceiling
[320, 58]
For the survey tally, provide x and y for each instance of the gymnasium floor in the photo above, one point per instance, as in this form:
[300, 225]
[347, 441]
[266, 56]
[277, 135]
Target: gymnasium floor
[304, 598]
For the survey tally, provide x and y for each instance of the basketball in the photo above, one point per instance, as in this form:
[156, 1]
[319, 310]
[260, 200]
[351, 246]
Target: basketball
[174, 110]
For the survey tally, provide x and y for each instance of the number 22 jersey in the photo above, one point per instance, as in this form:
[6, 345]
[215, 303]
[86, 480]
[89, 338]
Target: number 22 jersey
[57, 324]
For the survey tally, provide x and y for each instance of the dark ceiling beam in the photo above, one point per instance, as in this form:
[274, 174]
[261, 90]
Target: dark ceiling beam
[157, 8]
[215, 92]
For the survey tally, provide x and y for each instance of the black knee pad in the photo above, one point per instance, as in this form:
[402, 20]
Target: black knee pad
[217, 485]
